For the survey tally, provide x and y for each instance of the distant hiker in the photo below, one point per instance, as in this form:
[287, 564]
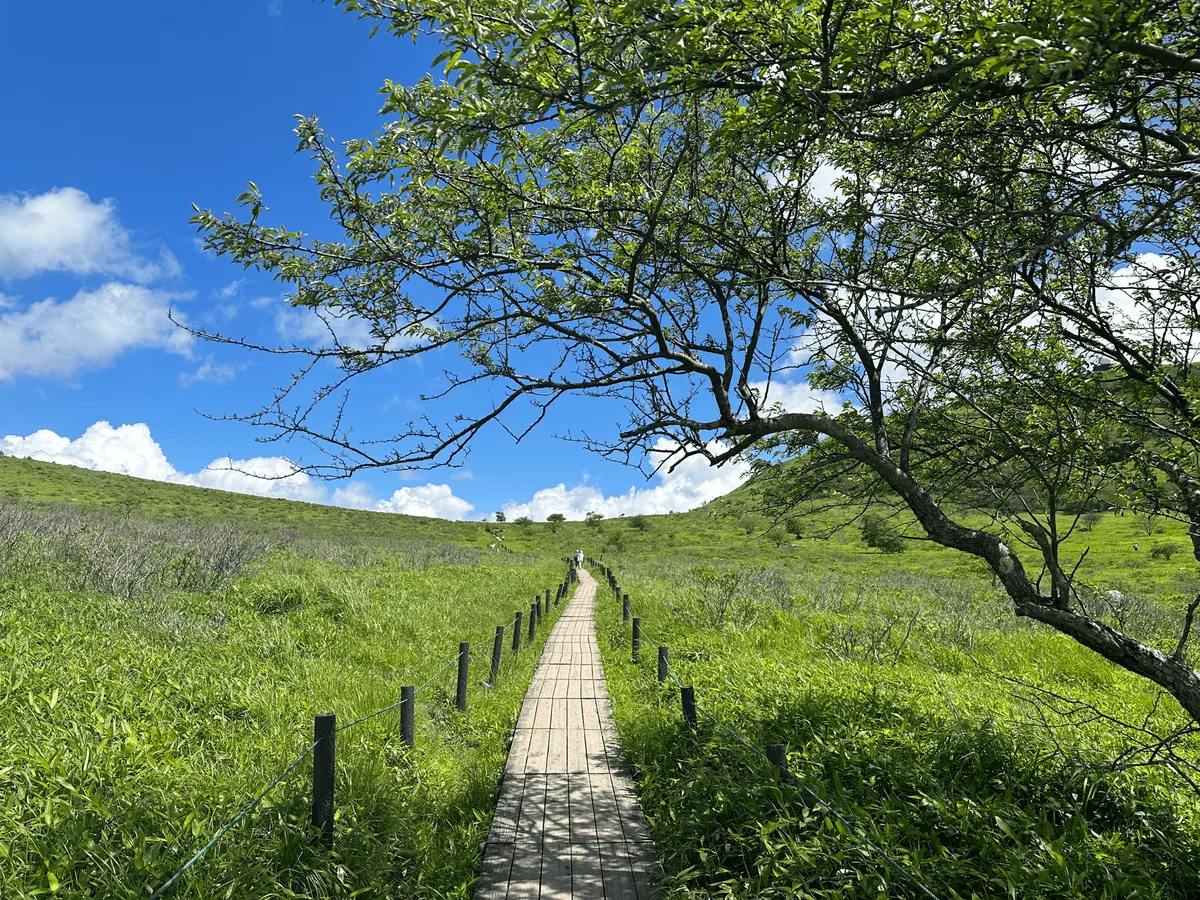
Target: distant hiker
[578, 559]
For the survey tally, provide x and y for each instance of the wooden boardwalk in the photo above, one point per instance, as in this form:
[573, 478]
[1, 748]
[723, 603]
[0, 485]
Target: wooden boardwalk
[568, 824]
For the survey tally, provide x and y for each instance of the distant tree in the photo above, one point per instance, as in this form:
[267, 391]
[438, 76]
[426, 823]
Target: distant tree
[777, 535]
[523, 521]
[640, 522]
[881, 534]
[555, 519]
[593, 518]
[500, 517]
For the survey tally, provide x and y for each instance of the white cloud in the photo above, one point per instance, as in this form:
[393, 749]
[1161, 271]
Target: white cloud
[230, 290]
[53, 338]
[216, 373]
[266, 476]
[127, 450]
[692, 483]
[797, 397]
[275, 8]
[355, 495]
[303, 326]
[427, 500]
[62, 230]
[436, 500]
[822, 185]
[131, 450]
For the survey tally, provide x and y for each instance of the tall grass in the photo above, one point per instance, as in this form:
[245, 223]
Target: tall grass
[141, 712]
[893, 694]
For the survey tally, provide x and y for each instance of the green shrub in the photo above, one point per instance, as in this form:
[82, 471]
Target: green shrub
[1164, 551]
[881, 534]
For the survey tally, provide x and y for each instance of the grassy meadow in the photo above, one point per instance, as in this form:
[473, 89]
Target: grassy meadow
[142, 709]
[139, 717]
[964, 743]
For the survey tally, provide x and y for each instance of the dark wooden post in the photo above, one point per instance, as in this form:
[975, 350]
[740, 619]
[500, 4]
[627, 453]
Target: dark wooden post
[408, 699]
[517, 633]
[532, 621]
[625, 609]
[324, 734]
[497, 650]
[637, 638]
[777, 754]
[547, 599]
[663, 665]
[688, 696]
[464, 663]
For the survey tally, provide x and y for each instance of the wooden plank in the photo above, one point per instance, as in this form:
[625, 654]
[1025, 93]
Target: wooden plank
[587, 877]
[494, 873]
[533, 809]
[556, 871]
[618, 872]
[557, 823]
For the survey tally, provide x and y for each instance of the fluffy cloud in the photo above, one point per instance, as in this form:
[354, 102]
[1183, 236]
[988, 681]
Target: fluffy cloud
[62, 230]
[266, 476]
[131, 450]
[797, 397]
[53, 338]
[692, 483]
[435, 500]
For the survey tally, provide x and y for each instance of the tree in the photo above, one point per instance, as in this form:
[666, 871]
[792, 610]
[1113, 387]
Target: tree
[555, 519]
[500, 519]
[622, 204]
[523, 521]
[881, 534]
[593, 518]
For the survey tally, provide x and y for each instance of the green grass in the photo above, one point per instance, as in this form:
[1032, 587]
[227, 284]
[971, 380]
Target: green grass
[918, 740]
[135, 728]
[140, 725]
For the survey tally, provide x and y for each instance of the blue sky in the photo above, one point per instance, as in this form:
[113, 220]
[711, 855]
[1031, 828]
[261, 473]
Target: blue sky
[119, 116]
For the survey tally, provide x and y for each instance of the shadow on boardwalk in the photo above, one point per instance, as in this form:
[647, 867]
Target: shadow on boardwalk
[568, 824]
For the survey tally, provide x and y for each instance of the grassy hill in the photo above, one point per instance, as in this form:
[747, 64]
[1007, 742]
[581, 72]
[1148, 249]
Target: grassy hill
[147, 701]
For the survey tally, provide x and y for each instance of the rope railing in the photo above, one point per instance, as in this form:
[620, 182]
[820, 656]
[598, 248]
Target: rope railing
[408, 696]
[779, 763]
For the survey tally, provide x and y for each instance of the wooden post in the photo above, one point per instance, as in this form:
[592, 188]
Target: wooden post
[777, 754]
[497, 650]
[532, 621]
[408, 699]
[688, 696]
[517, 633]
[547, 599]
[663, 665]
[625, 609]
[637, 638]
[324, 734]
[464, 663]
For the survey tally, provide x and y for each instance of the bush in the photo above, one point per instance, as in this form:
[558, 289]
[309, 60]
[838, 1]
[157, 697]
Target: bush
[881, 534]
[1164, 551]
[1089, 520]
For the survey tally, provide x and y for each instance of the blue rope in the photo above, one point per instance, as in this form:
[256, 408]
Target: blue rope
[299, 759]
[248, 807]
